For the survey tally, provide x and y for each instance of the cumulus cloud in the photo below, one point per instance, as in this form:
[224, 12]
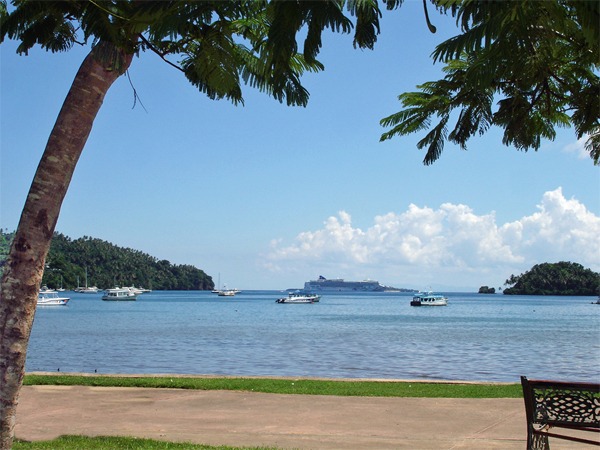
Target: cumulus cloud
[450, 240]
[562, 229]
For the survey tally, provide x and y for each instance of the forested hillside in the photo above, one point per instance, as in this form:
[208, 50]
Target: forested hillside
[5, 240]
[108, 265]
[562, 278]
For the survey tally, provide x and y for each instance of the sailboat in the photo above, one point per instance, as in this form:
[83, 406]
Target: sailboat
[86, 289]
[61, 285]
[216, 291]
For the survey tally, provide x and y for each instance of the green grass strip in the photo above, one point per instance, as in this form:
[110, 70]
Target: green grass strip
[114, 443]
[291, 386]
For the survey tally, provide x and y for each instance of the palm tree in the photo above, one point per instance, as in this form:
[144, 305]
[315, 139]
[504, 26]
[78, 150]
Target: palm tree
[221, 44]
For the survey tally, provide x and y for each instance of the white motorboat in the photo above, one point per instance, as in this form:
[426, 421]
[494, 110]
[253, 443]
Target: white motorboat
[300, 297]
[428, 299]
[119, 294]
[227, 292]
[44, 289]
[138, 290]
[49, 297]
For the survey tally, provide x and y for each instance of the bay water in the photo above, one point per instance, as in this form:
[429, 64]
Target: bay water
[475, 337]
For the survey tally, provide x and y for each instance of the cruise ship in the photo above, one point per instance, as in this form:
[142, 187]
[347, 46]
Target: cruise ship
[338, 284]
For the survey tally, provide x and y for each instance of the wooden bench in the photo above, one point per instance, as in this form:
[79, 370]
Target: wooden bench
[552, 405]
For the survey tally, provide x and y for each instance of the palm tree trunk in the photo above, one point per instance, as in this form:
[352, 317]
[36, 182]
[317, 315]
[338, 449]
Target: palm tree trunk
[25, 264]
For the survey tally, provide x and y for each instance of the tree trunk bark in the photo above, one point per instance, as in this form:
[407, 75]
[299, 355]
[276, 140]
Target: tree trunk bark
[25, 264]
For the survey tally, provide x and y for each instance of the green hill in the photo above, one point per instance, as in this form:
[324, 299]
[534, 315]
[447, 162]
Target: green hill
[5, 241]
[562, 278]
[108, 265]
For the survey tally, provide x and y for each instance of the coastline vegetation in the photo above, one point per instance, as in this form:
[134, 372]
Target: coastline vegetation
[108, 265]
[562, 278]
[358, 388]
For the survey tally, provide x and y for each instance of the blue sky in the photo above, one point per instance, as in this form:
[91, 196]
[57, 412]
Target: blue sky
[270, 196]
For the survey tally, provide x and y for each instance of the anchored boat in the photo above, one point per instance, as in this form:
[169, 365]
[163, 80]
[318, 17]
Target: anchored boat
[300, 297]
[119, 294]
[428, 299]
[48, 297]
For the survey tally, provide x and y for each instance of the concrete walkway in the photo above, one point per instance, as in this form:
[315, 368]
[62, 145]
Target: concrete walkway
[274, 420]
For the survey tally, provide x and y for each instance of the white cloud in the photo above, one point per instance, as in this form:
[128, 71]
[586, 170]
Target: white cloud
[451, 244]
[562, 229]
[578, 148]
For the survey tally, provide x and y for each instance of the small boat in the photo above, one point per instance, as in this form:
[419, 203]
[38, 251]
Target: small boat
[300, 297]
[227, 292]
[44, 289]
[119, 294]
[86, 289]
[428, 299]
[217, 290]
[48, 297]
[138, 290]
[61, 289]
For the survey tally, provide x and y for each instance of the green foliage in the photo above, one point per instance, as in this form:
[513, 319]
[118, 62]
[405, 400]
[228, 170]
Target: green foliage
[218, 45]
[539, 60]
[292, 386]
[5, 241]
[562, 278]
[108, 265]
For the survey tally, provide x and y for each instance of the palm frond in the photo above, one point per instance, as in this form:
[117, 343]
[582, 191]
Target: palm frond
[592, 145]
[367, 22]
[535, 56]
[435, 142]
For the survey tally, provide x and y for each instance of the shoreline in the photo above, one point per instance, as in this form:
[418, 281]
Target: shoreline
[274, 377]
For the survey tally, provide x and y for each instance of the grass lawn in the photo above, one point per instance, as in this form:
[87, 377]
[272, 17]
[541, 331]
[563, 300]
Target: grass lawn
[292, 386]
[116, 443]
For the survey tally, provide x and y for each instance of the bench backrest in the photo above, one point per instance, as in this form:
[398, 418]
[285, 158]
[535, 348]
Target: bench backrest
[562, 403]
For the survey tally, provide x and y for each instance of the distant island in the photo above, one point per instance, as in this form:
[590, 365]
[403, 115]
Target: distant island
[562, 278]
[487, 290]
[108, 265]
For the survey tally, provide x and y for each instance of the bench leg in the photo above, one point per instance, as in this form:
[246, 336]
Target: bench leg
[537, 442]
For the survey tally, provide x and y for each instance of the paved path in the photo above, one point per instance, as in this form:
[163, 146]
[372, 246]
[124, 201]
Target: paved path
[277, 420]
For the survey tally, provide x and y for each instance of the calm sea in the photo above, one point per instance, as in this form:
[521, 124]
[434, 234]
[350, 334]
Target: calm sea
[346, 335]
